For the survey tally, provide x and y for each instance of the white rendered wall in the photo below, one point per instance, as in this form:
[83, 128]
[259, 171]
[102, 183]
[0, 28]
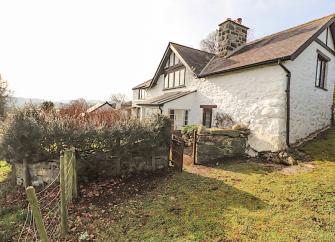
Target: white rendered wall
[323, 36]
[252, 96]
[255, 96]
[310, 106]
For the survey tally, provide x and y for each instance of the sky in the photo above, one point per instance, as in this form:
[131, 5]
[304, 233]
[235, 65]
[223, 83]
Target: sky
[69, 49]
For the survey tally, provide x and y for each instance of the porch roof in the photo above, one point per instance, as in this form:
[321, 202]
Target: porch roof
[165, 98]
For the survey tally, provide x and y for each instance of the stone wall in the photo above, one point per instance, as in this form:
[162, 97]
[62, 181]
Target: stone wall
[40, 173]
[230, 36]
[216, 144]
[98, 166]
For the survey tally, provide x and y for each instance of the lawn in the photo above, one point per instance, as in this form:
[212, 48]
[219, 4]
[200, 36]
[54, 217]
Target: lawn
[236, 201]
[244, 200]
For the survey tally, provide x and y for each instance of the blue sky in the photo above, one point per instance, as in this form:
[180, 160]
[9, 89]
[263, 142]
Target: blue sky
[68, 49]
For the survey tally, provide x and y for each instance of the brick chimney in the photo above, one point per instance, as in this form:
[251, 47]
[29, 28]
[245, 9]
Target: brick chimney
[231, 35]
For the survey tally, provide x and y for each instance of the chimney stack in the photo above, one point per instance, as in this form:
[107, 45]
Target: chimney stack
[231, 35]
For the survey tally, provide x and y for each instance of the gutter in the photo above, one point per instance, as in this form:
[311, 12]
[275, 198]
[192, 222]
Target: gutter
[288, 91]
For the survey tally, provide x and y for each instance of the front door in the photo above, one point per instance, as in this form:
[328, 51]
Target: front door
[207, 117]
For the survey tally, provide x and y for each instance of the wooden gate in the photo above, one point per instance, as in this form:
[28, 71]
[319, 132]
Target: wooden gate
[176, 153]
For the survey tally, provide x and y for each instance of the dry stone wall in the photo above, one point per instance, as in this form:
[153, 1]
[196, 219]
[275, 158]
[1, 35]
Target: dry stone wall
[102, 165]
[215, 145]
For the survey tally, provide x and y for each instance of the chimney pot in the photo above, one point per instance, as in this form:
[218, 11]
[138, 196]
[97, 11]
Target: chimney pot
[239, 20]
[228, 18]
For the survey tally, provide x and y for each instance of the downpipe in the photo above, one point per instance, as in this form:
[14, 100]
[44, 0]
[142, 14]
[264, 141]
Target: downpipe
[288, 91]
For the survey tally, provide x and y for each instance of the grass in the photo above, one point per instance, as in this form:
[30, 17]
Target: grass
[9, 215]
[236, 201]
[243, 201]
[5, 169]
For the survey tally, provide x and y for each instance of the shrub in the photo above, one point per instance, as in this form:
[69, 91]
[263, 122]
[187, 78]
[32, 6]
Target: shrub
[22, 135]
[223, 120]
[187, 133]
[36, 135]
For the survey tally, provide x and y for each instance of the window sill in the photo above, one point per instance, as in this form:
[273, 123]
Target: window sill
[171, 88]
[324, 89]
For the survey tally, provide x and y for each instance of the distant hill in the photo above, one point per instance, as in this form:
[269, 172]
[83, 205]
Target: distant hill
[21, 101]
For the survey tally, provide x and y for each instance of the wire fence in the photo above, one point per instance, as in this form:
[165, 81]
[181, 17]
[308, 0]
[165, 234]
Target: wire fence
[46, 213]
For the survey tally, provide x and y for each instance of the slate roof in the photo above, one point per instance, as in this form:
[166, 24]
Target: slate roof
[283, 45]
[165, 98]
[145, 84]
[195, 59]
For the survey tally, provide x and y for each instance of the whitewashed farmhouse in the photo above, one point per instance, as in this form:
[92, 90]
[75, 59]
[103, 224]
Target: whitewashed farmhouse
[281, 85]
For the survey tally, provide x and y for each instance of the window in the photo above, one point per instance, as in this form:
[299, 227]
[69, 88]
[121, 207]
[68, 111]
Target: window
[179, 118]
[174, 79]
[207, 117]
[172, 117]
[142, 93]
[186, 118]
[321, 71]
[174, 73]
[173, 60]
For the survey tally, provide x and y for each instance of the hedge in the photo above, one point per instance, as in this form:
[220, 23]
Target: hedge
[38, 136]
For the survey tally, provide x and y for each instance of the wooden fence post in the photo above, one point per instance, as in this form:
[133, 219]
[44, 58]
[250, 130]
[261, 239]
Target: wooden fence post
[74, 167]
[63, 210]
[194, 150]
[31, 195]
[68, 174]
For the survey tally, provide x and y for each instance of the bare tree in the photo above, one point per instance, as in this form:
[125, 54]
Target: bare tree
[209, 44]
[4, 95]
[74, 108]
[118, 98]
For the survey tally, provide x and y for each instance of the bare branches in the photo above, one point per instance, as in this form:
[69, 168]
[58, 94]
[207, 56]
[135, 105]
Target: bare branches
[209, 44]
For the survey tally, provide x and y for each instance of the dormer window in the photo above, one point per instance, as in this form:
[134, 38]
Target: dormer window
[174, 73]
[142, 93]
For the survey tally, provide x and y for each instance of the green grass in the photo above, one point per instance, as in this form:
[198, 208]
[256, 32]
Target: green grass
[9, 216]
[5, 169]
[235, 202]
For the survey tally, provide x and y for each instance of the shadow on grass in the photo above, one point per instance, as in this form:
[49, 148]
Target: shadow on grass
[243, 166]
[185, 206]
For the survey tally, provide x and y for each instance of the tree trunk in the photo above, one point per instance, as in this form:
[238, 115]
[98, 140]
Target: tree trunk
[26, 180]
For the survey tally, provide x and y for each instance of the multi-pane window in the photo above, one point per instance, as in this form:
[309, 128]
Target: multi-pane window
[172, 61]
[174, 72]
[174, 79]
[321, 71]
[142, 93]
[179, 118]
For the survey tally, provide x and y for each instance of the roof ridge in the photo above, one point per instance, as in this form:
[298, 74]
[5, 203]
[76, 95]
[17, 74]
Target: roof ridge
[291, 28]
[191, 48]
